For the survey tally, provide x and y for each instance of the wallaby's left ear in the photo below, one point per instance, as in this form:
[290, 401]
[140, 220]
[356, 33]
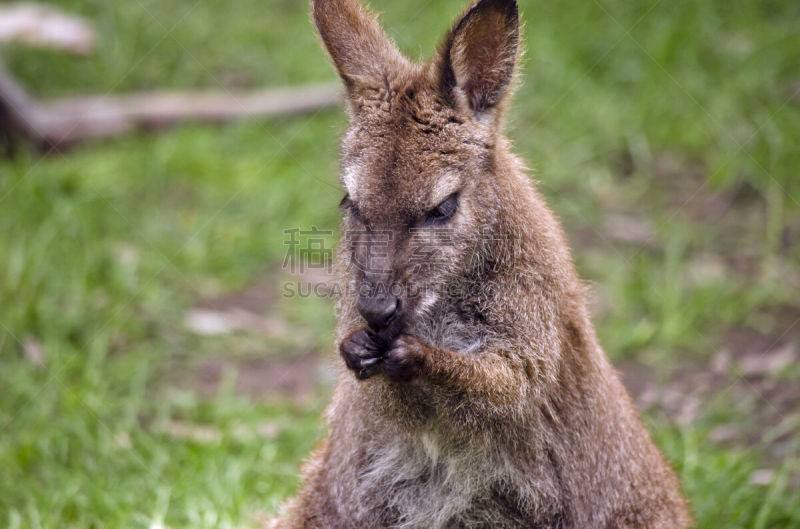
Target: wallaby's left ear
[358, 47]
[477, 58]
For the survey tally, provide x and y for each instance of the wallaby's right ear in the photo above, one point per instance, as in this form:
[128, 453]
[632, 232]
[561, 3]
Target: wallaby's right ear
[359, 49]
[478, 57]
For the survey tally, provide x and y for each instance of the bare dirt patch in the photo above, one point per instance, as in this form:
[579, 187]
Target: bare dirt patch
[753, 373]
[289, 368]
[298, 378]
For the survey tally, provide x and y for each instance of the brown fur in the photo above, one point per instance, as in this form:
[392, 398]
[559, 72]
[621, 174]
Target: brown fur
[487, 401]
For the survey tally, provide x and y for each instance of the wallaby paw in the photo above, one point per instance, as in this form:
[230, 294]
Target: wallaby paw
[405, 358]
[361, 353]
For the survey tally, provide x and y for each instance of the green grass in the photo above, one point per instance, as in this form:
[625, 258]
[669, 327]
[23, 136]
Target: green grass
[653, 111]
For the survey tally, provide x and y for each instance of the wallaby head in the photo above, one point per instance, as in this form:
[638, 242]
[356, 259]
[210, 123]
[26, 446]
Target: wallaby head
[419, 163]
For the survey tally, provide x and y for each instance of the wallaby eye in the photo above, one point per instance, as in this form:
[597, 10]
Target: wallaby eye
[443, 212]
[348, 205]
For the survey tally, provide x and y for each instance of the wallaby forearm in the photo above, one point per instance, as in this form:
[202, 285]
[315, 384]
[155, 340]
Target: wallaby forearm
[494, 378]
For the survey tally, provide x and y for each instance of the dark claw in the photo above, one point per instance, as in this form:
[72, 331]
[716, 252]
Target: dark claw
[369, 366]
[361, 353]
[405, 359]
[369, 362]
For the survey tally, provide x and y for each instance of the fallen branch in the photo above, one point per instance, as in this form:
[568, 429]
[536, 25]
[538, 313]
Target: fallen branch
[46, 26]
[61, 123]
[64, 122]
[19, 114]
[72, 120]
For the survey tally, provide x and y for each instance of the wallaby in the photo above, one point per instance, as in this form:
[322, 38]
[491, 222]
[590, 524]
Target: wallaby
[475, 392]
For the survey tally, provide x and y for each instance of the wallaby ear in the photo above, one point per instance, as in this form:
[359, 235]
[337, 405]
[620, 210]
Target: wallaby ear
[478, 56]
[359, 49]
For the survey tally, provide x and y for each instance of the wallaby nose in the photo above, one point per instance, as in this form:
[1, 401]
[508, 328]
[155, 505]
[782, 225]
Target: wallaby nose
[378, 310]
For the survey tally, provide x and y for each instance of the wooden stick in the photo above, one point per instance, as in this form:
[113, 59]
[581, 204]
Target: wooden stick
[47, 26]
[76, 119]
[54, 124]
[64, 122]
[19, 114]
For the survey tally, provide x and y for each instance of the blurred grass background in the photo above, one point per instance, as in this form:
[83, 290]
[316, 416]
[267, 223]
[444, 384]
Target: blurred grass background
[664, 134]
